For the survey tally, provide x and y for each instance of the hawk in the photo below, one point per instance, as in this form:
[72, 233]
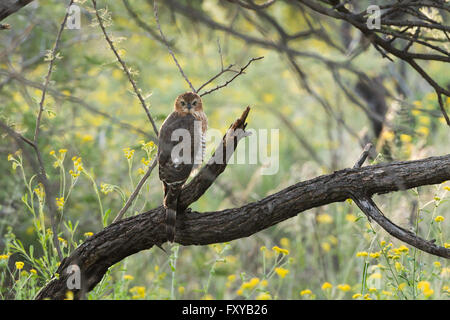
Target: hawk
[181, 149]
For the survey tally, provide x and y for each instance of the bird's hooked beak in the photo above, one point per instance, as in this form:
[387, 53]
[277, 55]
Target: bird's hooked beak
[189, 106]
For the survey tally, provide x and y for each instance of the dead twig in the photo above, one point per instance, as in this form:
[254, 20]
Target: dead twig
[155, 10]
[125, 68]
[240, 72]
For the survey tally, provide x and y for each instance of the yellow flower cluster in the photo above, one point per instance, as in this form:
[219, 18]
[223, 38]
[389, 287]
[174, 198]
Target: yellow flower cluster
[138, 292]
[326, 286]
[147, 146]
[344, 287]
[250, 284]
[128, 153]
[362, 254]
[88, 234]
[306, 292]
[40, 192]
[60, 203]
[264, 296]
[19, 265]
[77, 166]
[424, 286]
[145, 162]
[324, 218]
[439, 219]
[4, 256]
[230, 279]
[62, 240]
[281, 272]
[106, 188]
[128, 277]
[280, 250]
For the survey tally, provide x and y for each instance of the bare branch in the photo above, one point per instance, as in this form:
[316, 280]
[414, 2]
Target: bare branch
[155, 10]
[125, 69]
[53, 57]
[363, 156]
[241, 71]
[371, 210]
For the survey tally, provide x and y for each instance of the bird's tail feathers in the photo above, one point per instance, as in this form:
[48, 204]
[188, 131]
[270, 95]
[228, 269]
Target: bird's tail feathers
[171, 216]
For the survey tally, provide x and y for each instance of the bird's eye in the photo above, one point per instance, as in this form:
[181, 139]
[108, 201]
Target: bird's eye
[194, 103]
[183, 103]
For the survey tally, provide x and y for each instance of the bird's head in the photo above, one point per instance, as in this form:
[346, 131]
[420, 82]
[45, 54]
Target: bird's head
[188, 102]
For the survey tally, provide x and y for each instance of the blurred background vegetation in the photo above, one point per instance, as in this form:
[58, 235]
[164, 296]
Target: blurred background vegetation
[91, 111]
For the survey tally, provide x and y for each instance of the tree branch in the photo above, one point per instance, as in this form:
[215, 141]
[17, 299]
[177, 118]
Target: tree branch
[125, 68]
[143, 231]
[8, 7]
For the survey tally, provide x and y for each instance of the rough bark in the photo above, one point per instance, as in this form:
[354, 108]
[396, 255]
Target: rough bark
[8, 7]
[143, 231]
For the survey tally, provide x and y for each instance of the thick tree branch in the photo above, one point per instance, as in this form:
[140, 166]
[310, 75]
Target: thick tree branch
[8, 7]
[141, 232]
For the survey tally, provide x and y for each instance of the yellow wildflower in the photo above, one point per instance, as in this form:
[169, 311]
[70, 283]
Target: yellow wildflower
[423, 131]
[138, 292]
[344, 287]
[60, 203]
[405, 138]
[327, 285]
[128, 277]
[284, 242]
[439, 219]
[376, 275]
[181, 289]
[437, 264]
[19, 265]
[69, 295]
[386, 293]
[281, 272]
[240, 292]
[88, 234]
[324, 218]
[423, 285]
[357, 295]
[375, 255]
[231, 277]
[264, 296]
[362, 254]
[350, 217]
[445, 272]
[428, 292]
[325, 246]
[250, 284]
[208, 297]
[264, 283]
[128, 153]
[305, 292]
[398, 266]
[280, 250]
